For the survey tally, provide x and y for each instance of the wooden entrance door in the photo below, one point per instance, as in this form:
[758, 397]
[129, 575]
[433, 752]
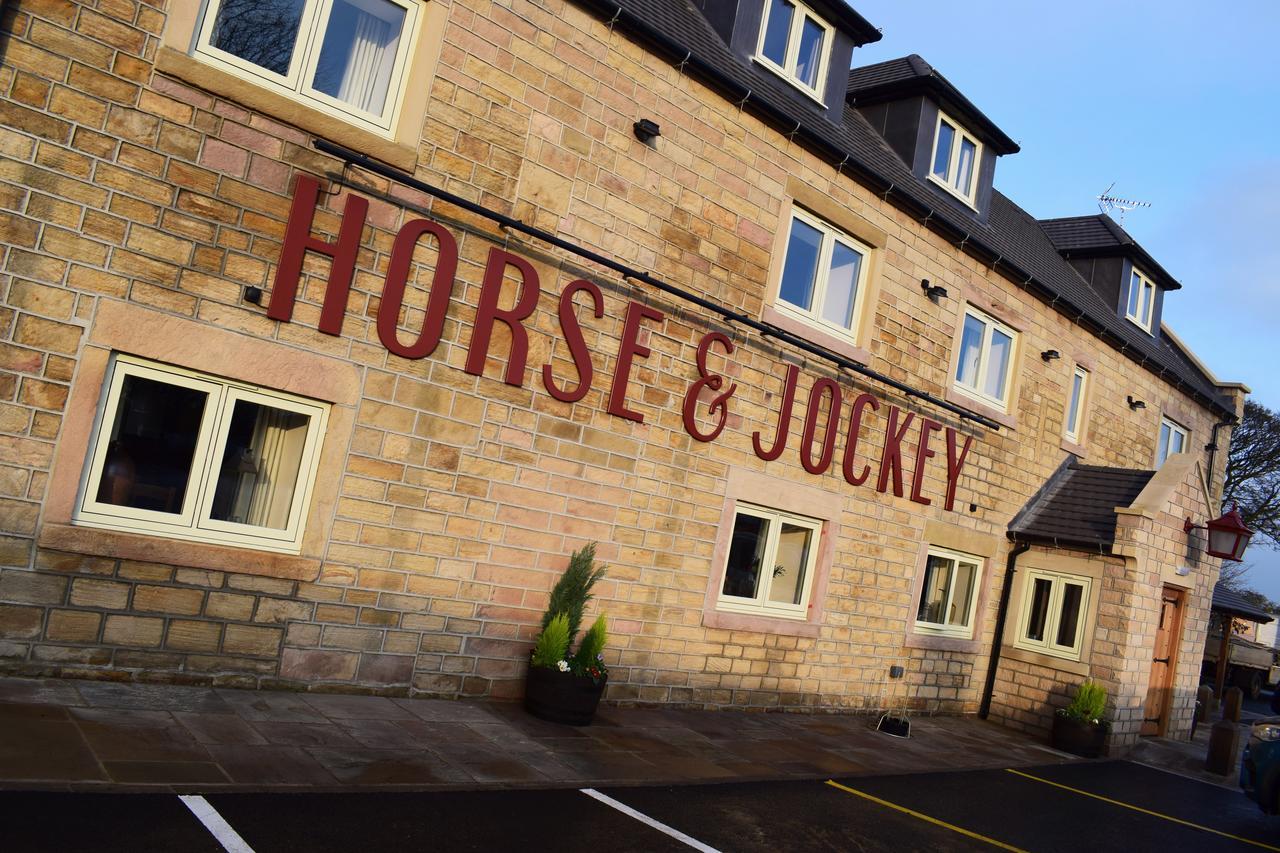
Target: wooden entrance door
[1163, 663]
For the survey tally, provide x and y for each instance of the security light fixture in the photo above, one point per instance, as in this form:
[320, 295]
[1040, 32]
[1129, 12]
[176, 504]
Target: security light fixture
[253, 294]
[646, 130]
[1050, 354]
[933, 291]
[1135, 404]
[1228, 537]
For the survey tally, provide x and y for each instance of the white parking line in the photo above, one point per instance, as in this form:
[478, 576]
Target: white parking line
[648, 821]
[217, 826]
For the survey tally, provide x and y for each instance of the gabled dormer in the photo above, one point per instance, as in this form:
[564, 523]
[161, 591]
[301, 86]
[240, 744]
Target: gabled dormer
[938, 132]
[1114, 265]
[806, 43]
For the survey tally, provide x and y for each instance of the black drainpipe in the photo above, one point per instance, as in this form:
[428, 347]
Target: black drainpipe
[1212, 447]
[1010, 568]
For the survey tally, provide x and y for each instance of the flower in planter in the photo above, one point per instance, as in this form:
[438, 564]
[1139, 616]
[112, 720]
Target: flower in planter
[564, 615]
[563, 666]
[1089, 704]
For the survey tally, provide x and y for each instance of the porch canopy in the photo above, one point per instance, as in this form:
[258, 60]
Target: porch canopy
[1232, 603]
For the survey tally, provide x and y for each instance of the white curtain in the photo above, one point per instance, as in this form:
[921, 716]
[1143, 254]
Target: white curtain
[278, 437]
[368, 72]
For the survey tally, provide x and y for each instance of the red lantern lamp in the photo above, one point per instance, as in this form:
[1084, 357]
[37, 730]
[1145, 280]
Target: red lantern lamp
[1228, 537]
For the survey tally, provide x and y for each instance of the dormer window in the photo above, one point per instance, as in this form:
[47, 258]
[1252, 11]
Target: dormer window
[795, 43]
[956, 156]
[1142, 300]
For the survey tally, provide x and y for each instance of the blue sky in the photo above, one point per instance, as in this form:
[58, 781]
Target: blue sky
[1179, 104]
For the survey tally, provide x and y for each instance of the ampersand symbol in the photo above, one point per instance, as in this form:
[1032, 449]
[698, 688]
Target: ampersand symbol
[720, 403]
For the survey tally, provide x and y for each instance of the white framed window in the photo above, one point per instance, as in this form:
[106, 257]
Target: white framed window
[1053, 613]
[1141, 305]
[984, 369]
[348, 58]
[771, 562]
[1173, 439]
[1075, 421]
[956, 158]
[795, 43]
[824, 274]
[188, 456]
[948, 593]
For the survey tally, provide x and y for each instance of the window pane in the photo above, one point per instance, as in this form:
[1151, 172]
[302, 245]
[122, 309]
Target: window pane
[1176, 440]
[1073, 411]
[358, 56]
[998, 363]
[942, 154]
[964, 169]
[1039, 609]
[1135, 293]
[1163, 452]
[153, 440]
[1068, 620]
[258, 473]
[810, 56]
[842, 285]
[746, 552]
[933, 594]
[778, 32]
[970, 350]
[966, 573]
[801, 267]
[263, 32]
[789, 564]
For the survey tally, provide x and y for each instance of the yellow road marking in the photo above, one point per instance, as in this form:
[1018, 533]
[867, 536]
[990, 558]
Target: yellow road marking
[925, 817]
[1263, 845]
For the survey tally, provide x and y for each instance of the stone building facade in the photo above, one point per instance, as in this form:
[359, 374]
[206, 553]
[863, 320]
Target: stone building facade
[475, 403]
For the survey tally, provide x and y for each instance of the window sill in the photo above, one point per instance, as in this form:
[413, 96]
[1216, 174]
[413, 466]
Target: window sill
[1000, 416]
[953, 192]
[759, 623]
[940, 642]
[286, 110]
[175, 552]
[1138, 323]
[1074, 448]
[775, 70]
[1075, 667]
[831, 340]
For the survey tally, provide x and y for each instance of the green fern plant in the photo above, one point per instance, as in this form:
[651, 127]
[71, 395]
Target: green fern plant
[1089, 704]
[572, 592]
[590, 657]
[552, 645]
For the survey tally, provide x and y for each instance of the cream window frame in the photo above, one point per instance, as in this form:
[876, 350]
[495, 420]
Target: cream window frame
[1053, 614]
[991, 324]
[945, 629]
[1076, 406]
[311, 32]
[1174, 428]
[948, 181]
[760, 604]
[194, 522]
[1141, 314]
[830, 236]
[787, 70]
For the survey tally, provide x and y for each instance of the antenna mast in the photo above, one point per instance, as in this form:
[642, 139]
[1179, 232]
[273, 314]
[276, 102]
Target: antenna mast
[1108, 203]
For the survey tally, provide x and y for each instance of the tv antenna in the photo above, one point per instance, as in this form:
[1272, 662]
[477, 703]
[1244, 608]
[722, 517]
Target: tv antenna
[1108, 203]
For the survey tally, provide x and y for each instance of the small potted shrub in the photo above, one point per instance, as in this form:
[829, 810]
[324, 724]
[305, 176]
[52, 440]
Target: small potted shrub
[1080, 728]
[564, 687]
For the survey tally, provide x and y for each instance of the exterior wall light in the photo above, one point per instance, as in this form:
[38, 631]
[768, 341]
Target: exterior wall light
[1228, 537]
[933, 291]
[646, 130]
[1050, 354]
[1135, 404]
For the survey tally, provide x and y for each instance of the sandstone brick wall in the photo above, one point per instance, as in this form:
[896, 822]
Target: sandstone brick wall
[461, 497]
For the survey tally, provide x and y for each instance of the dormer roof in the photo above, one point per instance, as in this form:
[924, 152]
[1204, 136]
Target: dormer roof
[1098, 236]
[908, 76]
[842, 16]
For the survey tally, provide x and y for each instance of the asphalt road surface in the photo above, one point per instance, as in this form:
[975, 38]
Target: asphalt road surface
[1107, 806]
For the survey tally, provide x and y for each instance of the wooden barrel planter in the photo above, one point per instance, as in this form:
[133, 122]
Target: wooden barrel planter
[1077, 737]
[562, 697]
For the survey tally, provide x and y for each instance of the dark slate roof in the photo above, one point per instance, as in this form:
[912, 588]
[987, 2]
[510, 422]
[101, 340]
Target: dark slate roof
[1235, 604]
[1076, 508]
[1010, 239]
[911, 75]
[1099, 235]
[844, 16]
